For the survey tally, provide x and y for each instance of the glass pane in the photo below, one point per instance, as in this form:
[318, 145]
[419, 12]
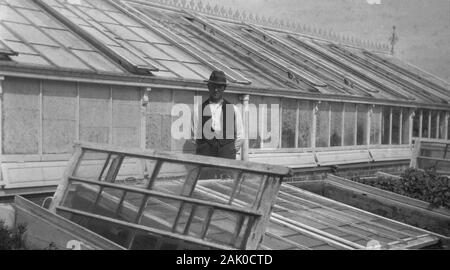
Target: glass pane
[121, 18]
[118, 234]
[68, 39]
[416, 123]
[108, 203]
[375, 125]
[198, 221]
[448, 128]
[151, 51]
[149, 35]
[9, 14]
[176, 53]
[304, 126]
[81, 196]
[396, 126]
[146, 241]
[255, 121]
[174, 178]
[129, 56]
[425, 123]
[59, 116]
[336, 124]
[361, 131]
[323, 121]
[180, 69]
[242, 239]
[160, 213]
[99, 35]
[222, 227]
[405, 126]
[185, 212]
[349, 124]
[97, 61]
[385, 125]
[271, 129]
[95, 113]
[130, 207]
[21, 114]
[434, 124]
[91, 165]
[21, 3]
[61, 57]
[40, 18]
[208, 186]
[31, 34]
[135, 172]
[122, 32]
[202, 70]
[7, 35]
[442, 119]
[248, 189]
[31, 59]
[19, 47]
[289, 116]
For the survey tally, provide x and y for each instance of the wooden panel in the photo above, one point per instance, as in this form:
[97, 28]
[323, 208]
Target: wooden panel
[21, 114]
[45, 228]
[32, 174]
[343, 157]
[185, 98]
[95, 113]
[126, 116]
[59, 116]
[159, 120]
[391, 154]
[292, 160]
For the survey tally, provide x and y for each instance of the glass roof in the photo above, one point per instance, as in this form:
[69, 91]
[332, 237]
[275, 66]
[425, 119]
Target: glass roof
[112, 37]
[131, 40]
[213, 52]
[41, 40]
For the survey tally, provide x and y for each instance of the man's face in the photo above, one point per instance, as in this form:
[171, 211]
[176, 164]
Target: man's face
[216, 91]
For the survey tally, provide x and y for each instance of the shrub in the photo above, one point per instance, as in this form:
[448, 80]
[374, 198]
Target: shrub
[418, 184]
[12, 239]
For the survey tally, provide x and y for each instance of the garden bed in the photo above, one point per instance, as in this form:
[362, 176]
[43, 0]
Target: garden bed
[423, 185]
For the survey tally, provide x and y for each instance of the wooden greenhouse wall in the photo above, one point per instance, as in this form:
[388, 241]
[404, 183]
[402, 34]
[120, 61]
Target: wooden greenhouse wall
[42, 118]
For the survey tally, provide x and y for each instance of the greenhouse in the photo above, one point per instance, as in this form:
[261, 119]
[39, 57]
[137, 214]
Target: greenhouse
[111, 72]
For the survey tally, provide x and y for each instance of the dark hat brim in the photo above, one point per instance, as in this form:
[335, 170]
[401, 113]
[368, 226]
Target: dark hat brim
[216, 82]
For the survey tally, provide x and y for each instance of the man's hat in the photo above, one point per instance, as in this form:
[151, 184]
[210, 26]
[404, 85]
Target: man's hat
[217, 77]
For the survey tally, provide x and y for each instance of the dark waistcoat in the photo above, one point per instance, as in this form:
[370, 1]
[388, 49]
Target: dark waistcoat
[206, 118]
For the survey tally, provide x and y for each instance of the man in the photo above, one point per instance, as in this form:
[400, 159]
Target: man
[221, 130]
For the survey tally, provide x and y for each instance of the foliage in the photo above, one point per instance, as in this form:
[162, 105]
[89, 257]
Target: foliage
[418, 184]
[12, 239]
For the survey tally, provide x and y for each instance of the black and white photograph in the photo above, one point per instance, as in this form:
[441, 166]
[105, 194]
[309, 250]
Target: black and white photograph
[204, 125]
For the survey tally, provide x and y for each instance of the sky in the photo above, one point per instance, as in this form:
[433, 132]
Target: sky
[423, 26]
